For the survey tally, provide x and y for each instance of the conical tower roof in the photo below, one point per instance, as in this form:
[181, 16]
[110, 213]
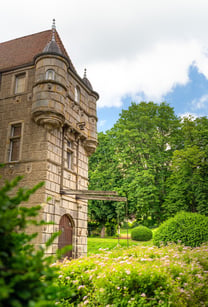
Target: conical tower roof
[52, 46]
[86, 81]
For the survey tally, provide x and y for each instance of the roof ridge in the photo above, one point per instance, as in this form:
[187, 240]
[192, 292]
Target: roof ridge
[22, 50]
[25, 36]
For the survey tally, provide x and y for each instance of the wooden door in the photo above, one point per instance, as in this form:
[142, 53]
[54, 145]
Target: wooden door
[65, 237]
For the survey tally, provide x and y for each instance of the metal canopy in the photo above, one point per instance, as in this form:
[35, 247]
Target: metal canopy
[94, 195]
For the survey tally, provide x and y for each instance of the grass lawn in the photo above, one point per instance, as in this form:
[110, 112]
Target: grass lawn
[123, 232]
[98, 245]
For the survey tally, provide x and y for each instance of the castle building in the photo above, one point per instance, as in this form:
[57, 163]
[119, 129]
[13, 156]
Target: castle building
[48, 130]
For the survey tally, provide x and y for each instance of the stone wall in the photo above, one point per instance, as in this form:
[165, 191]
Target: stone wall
[53, 123]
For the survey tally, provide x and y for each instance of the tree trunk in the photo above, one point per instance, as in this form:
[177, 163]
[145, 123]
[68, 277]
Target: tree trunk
[102, 233]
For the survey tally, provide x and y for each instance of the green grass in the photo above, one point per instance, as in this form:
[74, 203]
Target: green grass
[98, 245]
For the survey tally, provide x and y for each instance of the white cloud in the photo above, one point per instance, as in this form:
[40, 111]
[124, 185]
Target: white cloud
[153, 73]
[200, 104]
[191, 116]
[101, 123]
[130, 47]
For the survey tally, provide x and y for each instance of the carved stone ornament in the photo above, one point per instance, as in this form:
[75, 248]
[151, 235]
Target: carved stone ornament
[90, 146]
[49, 120]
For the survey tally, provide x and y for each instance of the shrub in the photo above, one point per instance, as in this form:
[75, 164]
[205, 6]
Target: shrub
[140, 276]
[191, 229]
[141, 233]
[26, 277]
[110, 229]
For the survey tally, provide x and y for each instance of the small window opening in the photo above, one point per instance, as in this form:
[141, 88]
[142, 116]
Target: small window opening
[77, 94]
[69, 155]
[14, 146]
[50, 74]
[20, 84]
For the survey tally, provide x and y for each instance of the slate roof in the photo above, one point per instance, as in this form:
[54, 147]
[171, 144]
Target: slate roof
[21, 51]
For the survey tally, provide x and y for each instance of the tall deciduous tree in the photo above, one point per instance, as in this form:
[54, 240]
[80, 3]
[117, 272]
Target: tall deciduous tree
[188, 183]
[145, 137]
[133, 158]
[104, 175]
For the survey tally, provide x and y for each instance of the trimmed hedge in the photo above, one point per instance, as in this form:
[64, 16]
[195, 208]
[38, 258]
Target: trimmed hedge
[190, 229]
[141, 233]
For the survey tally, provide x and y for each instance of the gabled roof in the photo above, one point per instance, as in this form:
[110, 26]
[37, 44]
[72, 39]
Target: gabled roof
[21, 51]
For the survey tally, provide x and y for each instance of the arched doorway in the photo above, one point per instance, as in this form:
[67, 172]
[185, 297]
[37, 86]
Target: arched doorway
[65, 238]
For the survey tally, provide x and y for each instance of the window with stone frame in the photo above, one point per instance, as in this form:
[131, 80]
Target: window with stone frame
[69, 155]
[77, 94]
[20, 83]
[50, 74]
[14, 142]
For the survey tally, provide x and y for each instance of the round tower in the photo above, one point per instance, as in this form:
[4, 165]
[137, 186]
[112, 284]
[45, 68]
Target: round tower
[90, 143]
[49, 91]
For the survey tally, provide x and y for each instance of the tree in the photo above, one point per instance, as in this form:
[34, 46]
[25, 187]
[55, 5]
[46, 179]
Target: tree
[26, 277]
[145, 137]
[103, 174]
[188, 183]
[133, 158]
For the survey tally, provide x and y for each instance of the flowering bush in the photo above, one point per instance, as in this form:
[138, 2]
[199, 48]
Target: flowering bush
[173, 275]
[190, 229]
[141, 233]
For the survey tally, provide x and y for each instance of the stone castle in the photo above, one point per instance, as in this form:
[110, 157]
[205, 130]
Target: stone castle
[48, 130]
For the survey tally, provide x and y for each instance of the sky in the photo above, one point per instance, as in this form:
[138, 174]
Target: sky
[133, 50]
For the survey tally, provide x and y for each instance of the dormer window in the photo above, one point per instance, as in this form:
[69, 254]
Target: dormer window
[20, 83]
[77, 94]
[50, 74]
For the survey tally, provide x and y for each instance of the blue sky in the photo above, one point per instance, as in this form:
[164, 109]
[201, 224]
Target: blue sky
[191, 98]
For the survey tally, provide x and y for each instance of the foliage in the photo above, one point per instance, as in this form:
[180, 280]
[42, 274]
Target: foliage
[141, 233]
[156, 160]
[111, 228]
[148, 276]
[188, 183]
[102, 176]
[93, 228]
[189, 228]
[26, 277]
[133, 159]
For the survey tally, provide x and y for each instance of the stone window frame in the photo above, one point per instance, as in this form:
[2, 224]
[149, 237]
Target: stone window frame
[69, 154]
[77, 94]
[19, 76]
[11, 139]
[48, 72]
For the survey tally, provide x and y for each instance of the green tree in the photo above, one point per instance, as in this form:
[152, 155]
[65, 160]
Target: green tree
[145, 137]
[133, 158]
[104, 175]
[188, 183]
[26, 277]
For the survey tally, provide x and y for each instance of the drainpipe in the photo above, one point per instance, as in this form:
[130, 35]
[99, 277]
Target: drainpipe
[62, 159]
[77, 186]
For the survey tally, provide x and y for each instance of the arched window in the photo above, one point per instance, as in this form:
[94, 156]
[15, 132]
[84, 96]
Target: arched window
[77, 94]
[50, 74]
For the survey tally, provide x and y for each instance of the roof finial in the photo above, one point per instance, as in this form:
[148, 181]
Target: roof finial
[53, 29]
[85, 73]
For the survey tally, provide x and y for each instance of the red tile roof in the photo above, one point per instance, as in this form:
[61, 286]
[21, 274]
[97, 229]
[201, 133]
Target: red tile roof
[21, 51]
